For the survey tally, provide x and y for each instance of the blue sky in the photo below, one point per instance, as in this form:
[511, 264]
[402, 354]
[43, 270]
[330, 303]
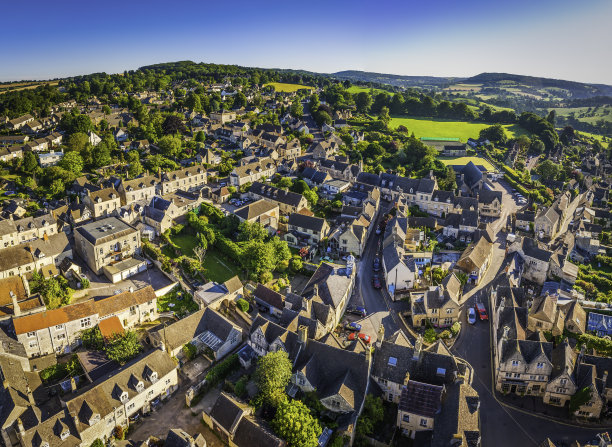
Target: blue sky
[561, 38]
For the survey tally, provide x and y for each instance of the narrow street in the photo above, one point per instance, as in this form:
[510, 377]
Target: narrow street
[500, 426]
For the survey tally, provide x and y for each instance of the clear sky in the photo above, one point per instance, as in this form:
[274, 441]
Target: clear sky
[564, 39]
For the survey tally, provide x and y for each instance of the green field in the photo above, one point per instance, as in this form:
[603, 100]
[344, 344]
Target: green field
[282, 87]
[584, 115]
[358, 89]
[437, 128]
[465, 160]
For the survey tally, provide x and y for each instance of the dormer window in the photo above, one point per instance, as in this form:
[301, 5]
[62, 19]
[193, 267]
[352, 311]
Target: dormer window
[124, 397]
[153, 377]
[140, 387]
[95, 418]
[44, 444]
[64, 435]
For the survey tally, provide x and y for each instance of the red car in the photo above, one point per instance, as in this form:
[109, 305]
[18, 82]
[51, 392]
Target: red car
[376, 282]
[482, 312]
[364, 337]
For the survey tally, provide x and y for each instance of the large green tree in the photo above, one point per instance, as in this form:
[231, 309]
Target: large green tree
[123, 347]
[169, 146]
[548, 170]
[294, 423]
[272, 376]
[72, 162]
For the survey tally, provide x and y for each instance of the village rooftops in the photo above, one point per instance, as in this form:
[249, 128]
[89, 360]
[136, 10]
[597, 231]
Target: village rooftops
[255, 209]
[105, 230]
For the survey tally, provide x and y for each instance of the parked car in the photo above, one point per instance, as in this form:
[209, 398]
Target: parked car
[376, 264]
[471, 315]
[482, 312]
[156, 403]
[357, 310]
[376, 282]
[364, 337]
[353, 326]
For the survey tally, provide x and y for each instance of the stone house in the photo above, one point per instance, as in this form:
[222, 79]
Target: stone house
[475, 260]
[137, 189]
[489, 203]
[103, 203]
[58, 331]
[306, 230]
[106, 241]
[110, 403]
[252, 172]
[186, 179]
[206, 329]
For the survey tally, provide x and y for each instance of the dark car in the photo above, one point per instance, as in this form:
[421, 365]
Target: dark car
[353, 326]
[376, 282]
[376, 264]
[156, 403]
[134, 418]
[357, 310]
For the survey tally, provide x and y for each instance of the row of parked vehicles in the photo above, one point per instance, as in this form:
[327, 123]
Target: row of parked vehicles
[240, 202]
[477, 309]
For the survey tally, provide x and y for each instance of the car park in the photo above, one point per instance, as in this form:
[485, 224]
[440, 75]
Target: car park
[353, 326]
[471, 315]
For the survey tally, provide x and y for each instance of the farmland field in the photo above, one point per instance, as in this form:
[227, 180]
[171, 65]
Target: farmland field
[465, 160]
[434, 128]
[282, 87]
[358, 89]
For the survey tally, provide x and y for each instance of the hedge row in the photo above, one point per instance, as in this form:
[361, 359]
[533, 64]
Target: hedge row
[520, 188]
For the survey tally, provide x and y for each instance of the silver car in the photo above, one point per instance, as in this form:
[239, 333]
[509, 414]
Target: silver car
[471, 315]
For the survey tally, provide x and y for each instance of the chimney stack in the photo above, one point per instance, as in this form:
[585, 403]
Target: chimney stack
[30, 396]
[73, 385]
[406, 378]
[418, 347]
[303, 334]
[16, 308]
[315, 290]
[380, 336]
[20, 427]
[26, 285]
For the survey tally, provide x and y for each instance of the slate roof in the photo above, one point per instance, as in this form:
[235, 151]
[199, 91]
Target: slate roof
[269, 296]
[22, 254]
[183, 331]
[471, 174]
[487, 196]
[105, 230]
[563, 360]
[421, 398]
[227, 412]
[250, 433]
[528, 349]
[136, 184]
[255, 209]
[308, 222]
[423, 367]
[273, 331]
[276, 194]
[104, 396]
[460, 415]
[332, 284]
[334, 371]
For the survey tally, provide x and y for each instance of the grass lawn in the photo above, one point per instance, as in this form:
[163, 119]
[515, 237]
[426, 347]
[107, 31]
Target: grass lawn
[358, 89]
[465, 160]
[218, 269]
[186, 242]
[282, 87]
[438, 128]
[177, 301]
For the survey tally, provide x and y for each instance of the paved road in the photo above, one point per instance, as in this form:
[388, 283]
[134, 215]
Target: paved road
[310, 122]
[501, 426]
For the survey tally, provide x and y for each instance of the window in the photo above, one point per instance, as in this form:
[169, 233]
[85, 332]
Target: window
[124, 397]
[508, 374]
[563, 381]
[561, 390]
[31, 334]
[423, 422]
[168, 381]
[130, 406]
[65, 435]
[406, 418]
[515, 363]
[61, 336]
[517, 375]
[449, 311]
[85, 322]
[390, 398]
[33, 344]
[392, 361]
[59, 326]
[540, 365]
[542, 377]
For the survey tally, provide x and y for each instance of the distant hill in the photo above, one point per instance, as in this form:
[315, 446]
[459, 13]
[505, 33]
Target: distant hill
[356, 76]
[571, 88]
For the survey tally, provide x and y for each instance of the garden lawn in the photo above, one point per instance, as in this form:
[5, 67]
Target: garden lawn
[282, 87]
[218, 269]
[186, 242]
[438, 128]
[182, 303]
[456, 161]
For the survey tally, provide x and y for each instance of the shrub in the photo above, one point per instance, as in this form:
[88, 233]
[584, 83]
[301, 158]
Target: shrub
[92, 339]
[240, 387]
[119, 433]
[190, 351]
[455, 328]
[243, 305]
[430, 335]
[445, 335]
[221, 370]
